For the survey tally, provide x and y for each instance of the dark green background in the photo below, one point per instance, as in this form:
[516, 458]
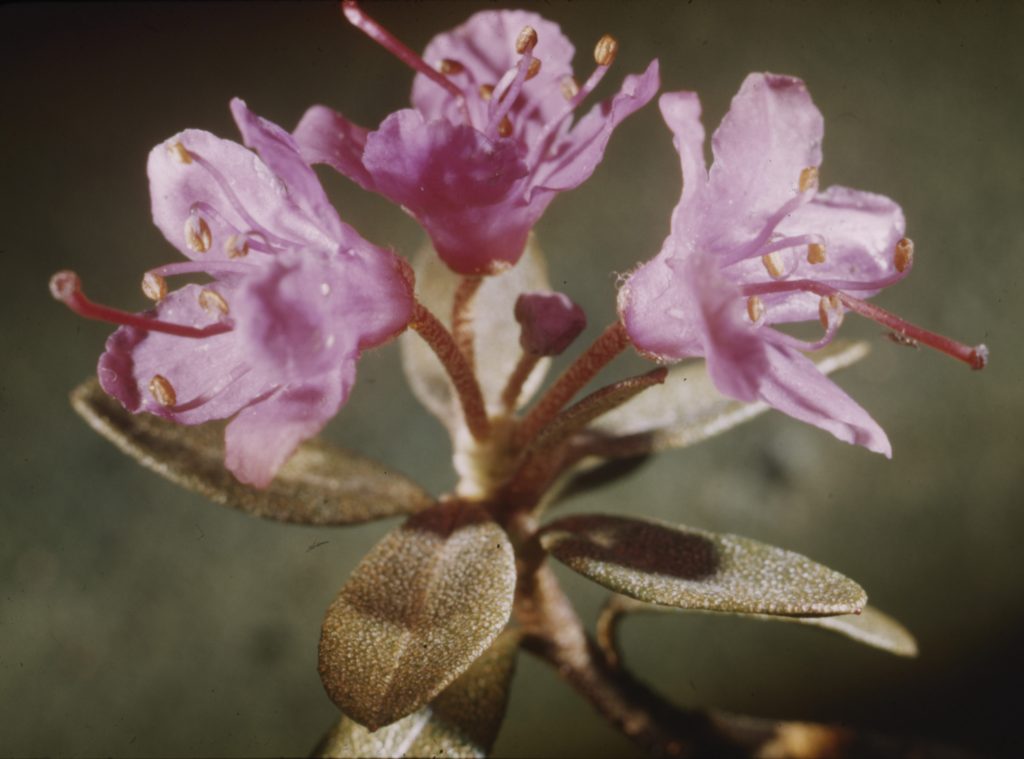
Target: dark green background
[136, 618]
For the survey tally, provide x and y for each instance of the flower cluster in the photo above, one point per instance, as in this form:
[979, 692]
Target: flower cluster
[296, 294]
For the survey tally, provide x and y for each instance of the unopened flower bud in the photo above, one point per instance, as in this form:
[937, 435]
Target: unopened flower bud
[550, 322]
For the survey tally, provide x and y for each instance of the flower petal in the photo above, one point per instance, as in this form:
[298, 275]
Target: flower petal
[280, 152]
[681, 112]
[262, 437]
[325, 136]
[771, 133]
[578, 154]
[794, 386]
[225, 187]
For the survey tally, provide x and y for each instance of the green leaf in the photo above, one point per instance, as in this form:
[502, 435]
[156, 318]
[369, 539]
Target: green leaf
[462, 721]
[319, 484]
[496, 339]
[416, 613]
[687, 408]
[694, 569]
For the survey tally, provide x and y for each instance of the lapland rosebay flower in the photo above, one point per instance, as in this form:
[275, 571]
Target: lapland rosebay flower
[296, 295]
[489, 142]
[754, 244]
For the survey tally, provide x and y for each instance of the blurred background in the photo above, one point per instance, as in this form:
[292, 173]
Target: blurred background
[138, 619]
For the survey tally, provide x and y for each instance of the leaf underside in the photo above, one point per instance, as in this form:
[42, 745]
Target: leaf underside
[416, 613]
[318, 485]
[695, 569]
[496, 332]
[463, 721]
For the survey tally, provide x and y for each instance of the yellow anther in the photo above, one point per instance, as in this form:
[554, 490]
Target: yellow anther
[527, 40]
[486, 91]
[815, 253]
[533, 70]
[236, 247]
[773, 263]
[570, 88]
[755, 308]
[903, 257]
[154, 286]
[162, 391]
[447, 67]
[828, 305]
[606, 49]
[211, 300]
[179, 152]
[197, 234]
[809, 179]
[505, 128]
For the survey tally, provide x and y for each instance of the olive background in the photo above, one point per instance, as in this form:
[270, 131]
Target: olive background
[139, 619]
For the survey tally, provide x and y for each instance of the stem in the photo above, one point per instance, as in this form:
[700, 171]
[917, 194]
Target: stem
[610, 344]
[462, 320]
[516, 380]
[467, 388]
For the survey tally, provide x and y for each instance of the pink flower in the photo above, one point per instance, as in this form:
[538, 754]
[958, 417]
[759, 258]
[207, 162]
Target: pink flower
[549, 322]
[488, 143]
[753, 244]
[296, 295]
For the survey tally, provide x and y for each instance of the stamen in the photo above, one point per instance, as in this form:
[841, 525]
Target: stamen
[236, 246]
[447, 66]
[570, 87]
[203, 267]
[827, 306]
[605, 51]
[486, 92]
[162, 391]
[816, 253]
[903, 258]
[505, 127]
[154, 286]
[533, 69]
[198, 237]
[527, 40]
[509, 87]
[211, 300]
[755, 308]
[809, 179]
[773, 264]
[179, 153]
[66, 287]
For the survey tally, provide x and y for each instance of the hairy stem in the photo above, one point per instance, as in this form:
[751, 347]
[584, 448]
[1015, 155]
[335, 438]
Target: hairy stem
[440, 340]
[462, 321]
[516, 380]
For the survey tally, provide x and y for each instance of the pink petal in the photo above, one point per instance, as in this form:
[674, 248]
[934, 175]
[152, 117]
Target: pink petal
[485, 46]
[325, 136]
[550, 322]
[795, 387]
[212, 377]
[582, 149]
[262, 437]
[230, 189]
[681, 112]
[771, 133]
[280, 152]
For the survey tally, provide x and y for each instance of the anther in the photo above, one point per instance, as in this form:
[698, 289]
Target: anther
[773, 263]
[447, 67]
[815, 253]
[236, 246]
[903, 257]
[570, 87]
[211, 300]
[505, 127]
[533, 70]
[154, 286]
[197, 234]
[755, 308]
[527, 40]
[486, 91]
[162, 391]
[179, 153]
[605, 51]
[827, 306]
[809, 179]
